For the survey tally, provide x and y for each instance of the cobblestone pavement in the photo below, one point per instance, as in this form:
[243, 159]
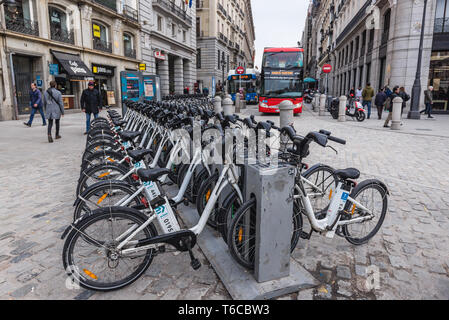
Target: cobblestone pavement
[411, 250]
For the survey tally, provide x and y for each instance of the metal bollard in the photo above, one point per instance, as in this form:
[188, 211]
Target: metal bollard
[237, 102]
[243, 104]
[315, 103]
[322, 104]
[396, 116]
[217, 104]
[342, 109]
[227, 106]
[286, 118]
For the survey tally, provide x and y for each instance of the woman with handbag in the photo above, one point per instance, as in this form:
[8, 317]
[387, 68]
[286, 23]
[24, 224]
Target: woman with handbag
[54, 109]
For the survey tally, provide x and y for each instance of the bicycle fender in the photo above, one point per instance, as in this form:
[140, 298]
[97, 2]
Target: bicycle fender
[84, 193]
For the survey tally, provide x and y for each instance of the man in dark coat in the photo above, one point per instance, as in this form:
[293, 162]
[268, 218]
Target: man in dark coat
[379, 101]
[428, 101]
[390, 108]
[36, 105]
[90, 103]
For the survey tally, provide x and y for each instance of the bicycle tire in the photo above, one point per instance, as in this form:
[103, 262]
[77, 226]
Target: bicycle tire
[90, 173]
[364, 185]
[76, 233]
[203, 196]
[99, 189]
[99, 146]
[248, 262]
[101, 157]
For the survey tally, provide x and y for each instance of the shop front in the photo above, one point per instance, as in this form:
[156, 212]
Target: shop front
[104, 77]
[69, 71]
[439, 79]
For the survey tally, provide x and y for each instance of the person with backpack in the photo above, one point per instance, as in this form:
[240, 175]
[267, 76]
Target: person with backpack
[390, 106]
[54, 109]
[405, 97]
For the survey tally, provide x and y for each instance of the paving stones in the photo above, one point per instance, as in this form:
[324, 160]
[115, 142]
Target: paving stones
[305, 294]
[345, 288]
[324, 292]
[23, 291]
[343, 272]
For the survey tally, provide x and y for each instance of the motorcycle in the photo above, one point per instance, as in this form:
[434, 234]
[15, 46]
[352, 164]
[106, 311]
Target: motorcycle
[354, 109]
[308, 96]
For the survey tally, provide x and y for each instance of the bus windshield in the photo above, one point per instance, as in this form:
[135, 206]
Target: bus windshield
[247, 85]
[283, 60]
[278, 88]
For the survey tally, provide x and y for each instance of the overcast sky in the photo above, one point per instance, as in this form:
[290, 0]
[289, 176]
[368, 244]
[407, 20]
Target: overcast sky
[278, 23]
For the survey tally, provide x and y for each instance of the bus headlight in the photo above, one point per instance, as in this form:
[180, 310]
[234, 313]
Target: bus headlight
[263, 105]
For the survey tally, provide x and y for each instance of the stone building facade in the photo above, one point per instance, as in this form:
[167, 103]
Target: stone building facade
[377, 42]
[225, 39]
[168, 41]
[67, 41]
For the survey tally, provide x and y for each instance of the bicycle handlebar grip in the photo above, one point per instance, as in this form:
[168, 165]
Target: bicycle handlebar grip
[338, 140]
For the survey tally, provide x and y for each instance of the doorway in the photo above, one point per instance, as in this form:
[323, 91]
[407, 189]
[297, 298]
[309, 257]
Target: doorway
[24, 75]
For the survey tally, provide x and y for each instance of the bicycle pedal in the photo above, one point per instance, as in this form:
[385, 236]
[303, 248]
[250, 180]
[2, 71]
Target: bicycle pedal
[195, 264]
[186, 202]
[305, 235]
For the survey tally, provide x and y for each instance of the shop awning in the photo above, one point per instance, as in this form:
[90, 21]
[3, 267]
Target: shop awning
[73, 65]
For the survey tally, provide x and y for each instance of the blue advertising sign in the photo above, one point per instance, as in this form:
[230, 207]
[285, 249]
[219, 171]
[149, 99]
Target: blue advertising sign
[39, 83]
[213, 87]
[54, 69]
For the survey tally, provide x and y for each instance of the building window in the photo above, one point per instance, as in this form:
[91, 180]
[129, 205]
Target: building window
[198, 27]
[101, 37]
[128, 45]
[159, 23]
[198, 58]
[21, 18]
[184, 36]
[368, 72]
[173, 30]
[442, 16]
[219, 56]
[58, 26]
[439, 79]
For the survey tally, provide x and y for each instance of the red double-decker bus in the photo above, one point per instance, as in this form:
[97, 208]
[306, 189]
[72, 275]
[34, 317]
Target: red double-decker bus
[281, 79]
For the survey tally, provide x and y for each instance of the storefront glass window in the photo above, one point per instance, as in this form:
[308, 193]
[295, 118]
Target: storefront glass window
[439, 79]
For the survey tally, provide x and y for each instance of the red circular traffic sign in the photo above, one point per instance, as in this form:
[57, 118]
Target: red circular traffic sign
[240, 70]
[327, 68]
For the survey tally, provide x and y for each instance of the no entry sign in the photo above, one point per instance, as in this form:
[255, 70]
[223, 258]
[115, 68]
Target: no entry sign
[327, 68]
[240, 70]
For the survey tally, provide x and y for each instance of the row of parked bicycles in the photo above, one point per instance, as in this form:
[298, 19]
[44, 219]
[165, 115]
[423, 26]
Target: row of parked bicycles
[124, 215]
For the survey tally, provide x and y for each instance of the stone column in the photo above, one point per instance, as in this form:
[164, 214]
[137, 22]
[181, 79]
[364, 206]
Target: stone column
[86, 27]
[187, 75]
[342, 109]
[217, 104]
[227, 106]
[396, 117]
[179, 76]
[322, 104]
[116, 38]
[286, 118]
[163, 73]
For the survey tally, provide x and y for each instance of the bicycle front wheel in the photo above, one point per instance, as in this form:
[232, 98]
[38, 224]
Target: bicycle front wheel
[90, 254]
[372, 194]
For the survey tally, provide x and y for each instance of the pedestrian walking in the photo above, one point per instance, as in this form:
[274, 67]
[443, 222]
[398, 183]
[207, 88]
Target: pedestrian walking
[352, 93]
[54, 109]
[367, 95]
[90, 103]
[35, 105]
[379, 101]
[390, 108]
[358, 93]
[405, 97]
[428, 100]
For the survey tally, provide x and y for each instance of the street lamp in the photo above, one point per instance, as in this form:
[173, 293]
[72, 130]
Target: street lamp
[416, 90]
[223, 64]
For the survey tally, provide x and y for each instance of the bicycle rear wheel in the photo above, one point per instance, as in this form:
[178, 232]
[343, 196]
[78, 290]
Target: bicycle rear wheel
[242, 233]
[203, 197]
[99, 173]
[90, 254]
[372, 194]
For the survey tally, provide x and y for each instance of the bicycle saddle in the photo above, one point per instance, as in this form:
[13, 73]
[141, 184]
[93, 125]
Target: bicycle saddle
[349, 173]
[129, 135]
[138, 155]
[152, 174]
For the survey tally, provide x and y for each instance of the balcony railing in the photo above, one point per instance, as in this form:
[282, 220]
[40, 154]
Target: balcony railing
[231, 44]
[174, 9]
[130, 13]
[222, 10]
[61, 35]
[130, 53]
[223, 38]
[22, 25]
[102, 45]
[111, 4]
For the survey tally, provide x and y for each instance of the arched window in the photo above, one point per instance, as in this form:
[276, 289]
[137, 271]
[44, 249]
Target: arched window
[22, 18]
[59, 28]
[128, 45]
[100, 36]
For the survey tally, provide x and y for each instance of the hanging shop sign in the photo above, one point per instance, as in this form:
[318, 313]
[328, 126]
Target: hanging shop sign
[102, 70]
[54, 69]
[96, 29]
[142, 66]
[159, 55]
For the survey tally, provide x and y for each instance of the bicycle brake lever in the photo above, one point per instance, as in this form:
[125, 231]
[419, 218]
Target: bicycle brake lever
[332, 149]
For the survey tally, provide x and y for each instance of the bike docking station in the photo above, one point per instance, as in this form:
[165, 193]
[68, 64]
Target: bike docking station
[275, 272]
